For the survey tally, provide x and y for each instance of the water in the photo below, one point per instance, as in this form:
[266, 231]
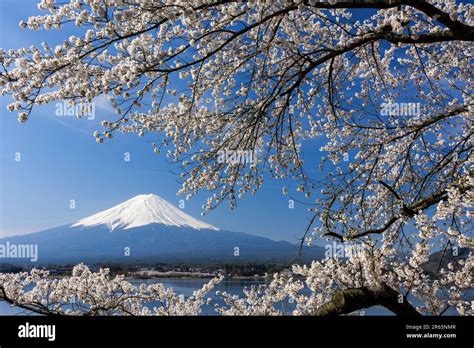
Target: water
[187, 286]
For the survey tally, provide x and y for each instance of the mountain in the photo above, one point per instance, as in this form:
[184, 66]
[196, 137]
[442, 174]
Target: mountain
[146, 229]
[143, 210]
[442, 258]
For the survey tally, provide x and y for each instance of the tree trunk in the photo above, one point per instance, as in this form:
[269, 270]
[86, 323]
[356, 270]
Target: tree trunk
[350, 300]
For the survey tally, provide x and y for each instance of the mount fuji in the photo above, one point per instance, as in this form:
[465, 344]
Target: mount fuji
[145, 229]
[143, 210]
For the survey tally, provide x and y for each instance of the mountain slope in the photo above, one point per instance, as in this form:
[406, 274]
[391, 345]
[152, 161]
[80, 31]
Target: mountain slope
[149, 229]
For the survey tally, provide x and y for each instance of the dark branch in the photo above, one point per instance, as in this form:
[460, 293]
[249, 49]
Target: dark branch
[350, 300]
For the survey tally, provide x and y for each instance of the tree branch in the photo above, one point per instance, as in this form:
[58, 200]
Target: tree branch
[350, 300]
[421, 5]
[379, 4]
[410, 210]
[38, 308]
[440, 16]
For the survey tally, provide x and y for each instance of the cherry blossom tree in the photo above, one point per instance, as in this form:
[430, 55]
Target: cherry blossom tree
[396, 182]
[89, 293]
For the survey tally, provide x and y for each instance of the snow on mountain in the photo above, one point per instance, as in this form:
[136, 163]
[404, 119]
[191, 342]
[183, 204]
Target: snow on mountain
[143, 210]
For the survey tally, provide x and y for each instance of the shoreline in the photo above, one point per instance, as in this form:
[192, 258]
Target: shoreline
[188, 275]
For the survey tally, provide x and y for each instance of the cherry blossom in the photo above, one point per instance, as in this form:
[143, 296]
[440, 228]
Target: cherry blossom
[270, 78]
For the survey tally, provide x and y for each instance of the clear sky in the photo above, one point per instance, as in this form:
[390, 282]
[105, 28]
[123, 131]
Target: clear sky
[60, 162]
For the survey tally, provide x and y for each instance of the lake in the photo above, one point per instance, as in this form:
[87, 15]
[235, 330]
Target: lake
[187, 286]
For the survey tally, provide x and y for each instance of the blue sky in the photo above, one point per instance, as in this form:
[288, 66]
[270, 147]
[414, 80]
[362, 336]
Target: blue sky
[60, 161]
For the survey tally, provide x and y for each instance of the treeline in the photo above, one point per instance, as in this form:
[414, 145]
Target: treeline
[227, 269]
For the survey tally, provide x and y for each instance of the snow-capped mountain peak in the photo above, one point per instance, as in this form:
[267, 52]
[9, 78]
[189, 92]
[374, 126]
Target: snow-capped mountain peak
[143, 210]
